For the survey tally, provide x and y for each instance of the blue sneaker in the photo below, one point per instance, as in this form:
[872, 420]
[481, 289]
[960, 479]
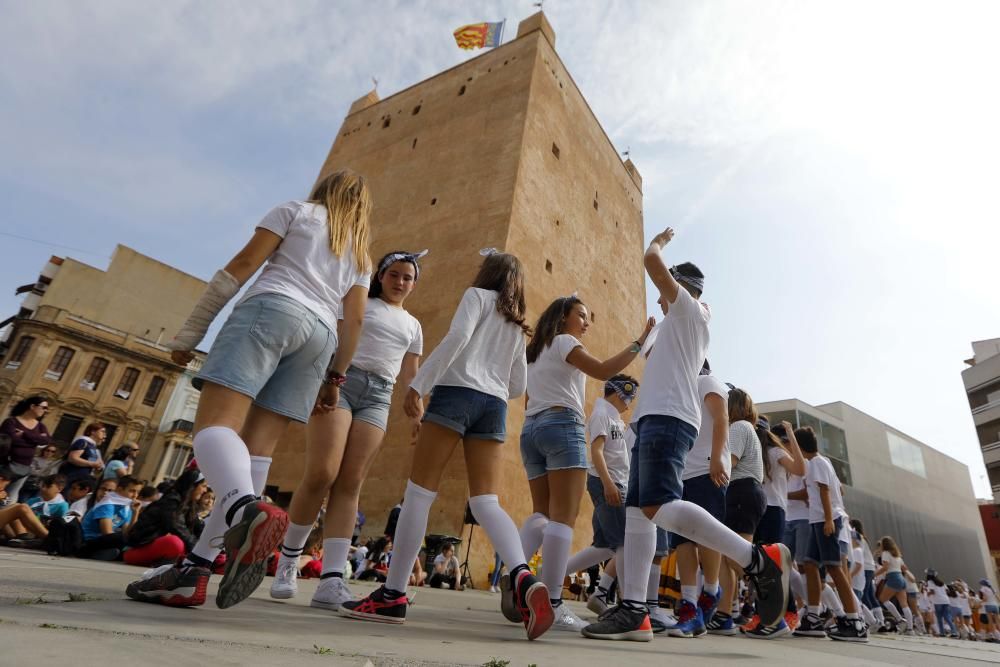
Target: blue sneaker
[709, 603]
[722, 624]
[690, 622]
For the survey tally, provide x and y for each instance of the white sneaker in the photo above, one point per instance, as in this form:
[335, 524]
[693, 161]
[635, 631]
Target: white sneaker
[663, 616]
[285, 586]
[331, 593]
[567, 620]
[597, 604]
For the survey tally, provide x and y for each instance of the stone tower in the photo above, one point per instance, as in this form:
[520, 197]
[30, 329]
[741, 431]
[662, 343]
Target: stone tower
[500, 151]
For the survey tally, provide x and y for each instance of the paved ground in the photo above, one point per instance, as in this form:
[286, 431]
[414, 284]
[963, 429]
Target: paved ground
[68, 611]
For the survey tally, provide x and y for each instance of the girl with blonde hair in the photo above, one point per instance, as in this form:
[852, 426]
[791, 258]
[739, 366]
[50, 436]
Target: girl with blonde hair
[266, 367]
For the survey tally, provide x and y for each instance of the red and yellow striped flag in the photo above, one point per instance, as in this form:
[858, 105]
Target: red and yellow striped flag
[479, 35]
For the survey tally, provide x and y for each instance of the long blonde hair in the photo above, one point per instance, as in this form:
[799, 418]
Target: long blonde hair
[348, 203]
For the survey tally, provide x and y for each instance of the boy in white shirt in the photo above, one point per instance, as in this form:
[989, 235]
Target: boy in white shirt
[826, 518]
[669, 415]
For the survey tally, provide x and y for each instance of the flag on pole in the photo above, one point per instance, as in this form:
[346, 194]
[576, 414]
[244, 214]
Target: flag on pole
[479, 35]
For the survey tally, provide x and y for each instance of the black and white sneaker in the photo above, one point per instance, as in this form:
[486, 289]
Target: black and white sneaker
[768, 574]
[623, 622]
[849, 630]
[811, 626]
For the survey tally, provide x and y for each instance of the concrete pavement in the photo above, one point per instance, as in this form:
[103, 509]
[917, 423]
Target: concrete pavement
[69, 611]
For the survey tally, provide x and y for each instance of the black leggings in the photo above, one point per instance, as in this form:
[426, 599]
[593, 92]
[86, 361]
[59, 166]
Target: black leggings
[104, 547]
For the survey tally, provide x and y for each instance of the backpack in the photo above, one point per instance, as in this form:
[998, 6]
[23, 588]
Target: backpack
[65, 537]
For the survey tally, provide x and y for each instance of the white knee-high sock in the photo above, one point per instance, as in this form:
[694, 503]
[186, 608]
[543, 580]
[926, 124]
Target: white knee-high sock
[866, 613]
[259, 466]
[500, 528]
[879, 614]
[829, 597]
[532, 531]
[335, 550]
[653, 584]
[556, 543]
[410, 529]
[224, 460]
[892, 610]
[798, 584]
[620, 567]
[640, 547]
[295, 540]
[696, 524]
[908, 615]
[586, 557]
[215, 528]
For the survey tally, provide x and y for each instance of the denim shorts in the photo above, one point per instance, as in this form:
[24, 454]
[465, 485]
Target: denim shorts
[895, 581]
[703, 492]
[771, 528]
[367, 396]
[658, 456]
[992, 609]
[798, 537]
[745, 505]
[554, 439]
[609, 522]
[274, 350]
[470, 413]
[825, 549]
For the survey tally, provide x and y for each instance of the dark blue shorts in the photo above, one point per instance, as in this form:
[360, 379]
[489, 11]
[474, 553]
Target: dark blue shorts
[771, 528]
[745, 505]
[609, 522]
[824, 549]
[473, 414]
[661, 447]
[703, 492]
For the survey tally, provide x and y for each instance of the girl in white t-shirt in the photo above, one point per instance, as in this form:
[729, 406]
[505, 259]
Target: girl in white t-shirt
[991, 607]
[781, 460]
[265, 368]
[341, 445]
[553, 442]
[892, 567]
[471, 374]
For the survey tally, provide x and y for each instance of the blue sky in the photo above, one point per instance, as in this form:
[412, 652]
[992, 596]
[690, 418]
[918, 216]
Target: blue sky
[831, 166]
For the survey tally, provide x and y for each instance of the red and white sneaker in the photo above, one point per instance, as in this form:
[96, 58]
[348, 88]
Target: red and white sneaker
[249, 543]
[171, 585]
[377, 607]
[533, 602]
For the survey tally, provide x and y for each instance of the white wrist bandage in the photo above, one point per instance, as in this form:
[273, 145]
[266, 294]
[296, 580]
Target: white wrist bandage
[219, 291]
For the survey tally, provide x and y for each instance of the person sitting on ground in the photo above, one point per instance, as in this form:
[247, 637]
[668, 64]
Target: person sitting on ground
[49, 503]
[446, 569]
[169, 527]
[122, 462]
[79, 491]
[18, 514]
[83, 505]
[310, 563]
[149, 494]
[106, 526]
[376, 564]
[206, 504]
[45, 463]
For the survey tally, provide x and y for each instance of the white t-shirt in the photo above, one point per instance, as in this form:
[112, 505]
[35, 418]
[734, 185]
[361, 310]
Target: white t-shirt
[937, 594]
[869, 558]
[963, 604]
[481, 351]
[797, 510]
[450, 564]
[745, 446]
[858, 580]
[605, 420]
[895, 564]
[303, 267]
[79, 508]
[821, 471]
[988, 595]
[776, 486]
[699, 458]
[553, 381]
[388, 334]
[670, 385]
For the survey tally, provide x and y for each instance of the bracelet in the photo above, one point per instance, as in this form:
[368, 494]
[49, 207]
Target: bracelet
[334, 378]
[636, 347]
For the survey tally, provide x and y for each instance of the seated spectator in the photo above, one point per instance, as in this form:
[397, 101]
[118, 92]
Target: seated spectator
[358, 555]
[83, 458]
[19, 515]
[45, 463]
[169, 527]
[417, 575]
[122, 462]
[376, 564]
[85, 504]
[106, 526]
[446, 569]
[206, 504]
[49, 503]
[149, 494]
[311, 561]
[79, 490]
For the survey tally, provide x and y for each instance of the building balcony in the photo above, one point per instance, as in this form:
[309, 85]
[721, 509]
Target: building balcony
[991, 453]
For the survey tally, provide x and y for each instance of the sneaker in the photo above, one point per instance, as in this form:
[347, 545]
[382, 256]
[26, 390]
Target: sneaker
[690, 621]
[533, 603]
[331, 593]
[752, 624]
[663, 617]
[376, 607]
[597, 603]
[171, 585]
[567, 620]
[768, 573]
[248, 544]
[508, 605]
[622, 623]
[792, 620]
[770, 631]
[811, 626]
[849, 630]
[723, 625]
[709, 603]
[285, 585]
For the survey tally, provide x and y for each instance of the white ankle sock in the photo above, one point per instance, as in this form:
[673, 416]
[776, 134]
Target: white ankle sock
[696, 524]
[335, 550]
[224, 460]
[586, 557]
[653, 583]
[295, 539]
[410, 529]
[259, 466]
[690, 593]
[640, 547]
[606, 581]
[500, 528]
[711, 588]
[531, 533]
[556, 543]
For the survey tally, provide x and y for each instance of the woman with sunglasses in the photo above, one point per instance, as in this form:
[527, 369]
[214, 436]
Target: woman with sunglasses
[27, 433]
[122, 462]
[45, 463]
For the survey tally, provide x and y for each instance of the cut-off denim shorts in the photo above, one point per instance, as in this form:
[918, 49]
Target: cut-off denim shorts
[274, 350]
[367, 396]
[658, 456]
[554, 439]
[608, 521]
[470, 413]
